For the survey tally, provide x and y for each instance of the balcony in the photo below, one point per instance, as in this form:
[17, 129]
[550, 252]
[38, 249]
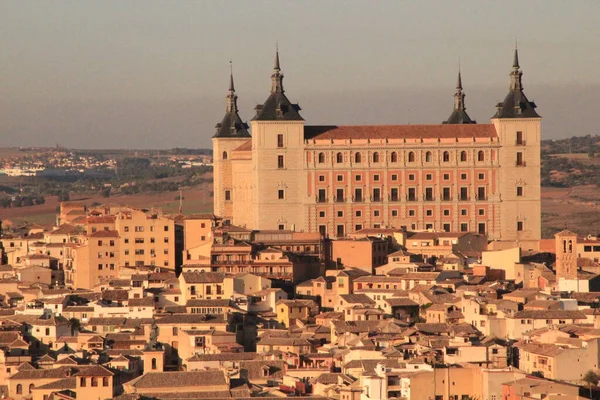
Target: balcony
[393, 198]
[339, 199]
[481, 198]
[321, 199]
[428, 198]
[520, 142]
[376, 199]
[411, 197]
[358, 199]
[463, 198]
[520, 164]
[446, 198]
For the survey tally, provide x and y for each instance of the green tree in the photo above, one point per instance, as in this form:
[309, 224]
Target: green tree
[591, 378]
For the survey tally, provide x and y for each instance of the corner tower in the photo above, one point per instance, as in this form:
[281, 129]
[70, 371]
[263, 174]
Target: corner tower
[278, 160]
[519, 128]
[231, 133]
[459, 113]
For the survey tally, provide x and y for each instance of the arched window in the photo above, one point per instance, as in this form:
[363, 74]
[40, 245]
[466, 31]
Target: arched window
[357, 158]
[570, 246]
[394, 157]
[19, 389]
[154, 363]
[564, 246]
[480, 155]
[94, 381]
[376, 157]
[428, 156]
[339, 158]
[411, 157]
[446, 156]
[224, 155]
[321, 158]
[463, 156]
[31, 386]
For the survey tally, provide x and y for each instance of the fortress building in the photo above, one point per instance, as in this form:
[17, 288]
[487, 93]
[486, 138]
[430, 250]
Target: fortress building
[455, 176]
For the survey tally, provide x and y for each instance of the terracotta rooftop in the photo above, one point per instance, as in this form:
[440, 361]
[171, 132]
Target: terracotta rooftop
[400, 131]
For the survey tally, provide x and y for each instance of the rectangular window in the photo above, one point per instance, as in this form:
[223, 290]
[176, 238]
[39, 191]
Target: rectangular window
[412, 194]
[464, 193]
[321, 214]
[481, 193]
[428, 194]
[321, 178]
[481, 211]
[340, 214]
[280, 162]
[280, 140]
[358, 178]
[376, 178]
[519, 141]
[281, 227]
[464, 227]
[228, 195]
[519, 191]
[394, 177]
[429, 213]
[428, 226]
[322, 198]
[519, 160]
[411, 177]
[463, 177]
[428, 177]
[519, 226]
[446, 227]
[357, 227]
[446, 212]
[358, 196]
[481, 176]
[394, 213]
[323, 229]
[280, 194]
[446, 177]
[340, 230]
[481, 228]
[340, 178]
[376, 213]
[463, 212]
[411, 213]
[339, 195]
[446, 194]
[376, 194]
[358, 213]
[394, 196]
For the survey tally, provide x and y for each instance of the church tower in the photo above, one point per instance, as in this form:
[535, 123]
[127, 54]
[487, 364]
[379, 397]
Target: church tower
[231, 133]
[278, 160]
[459, 113]
[519, 128]
[566, 255]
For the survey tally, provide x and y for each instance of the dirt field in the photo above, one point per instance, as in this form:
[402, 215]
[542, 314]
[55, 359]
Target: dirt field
[577, 209]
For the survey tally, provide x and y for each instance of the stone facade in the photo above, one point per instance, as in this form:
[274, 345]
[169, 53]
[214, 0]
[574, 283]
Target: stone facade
[456, 176]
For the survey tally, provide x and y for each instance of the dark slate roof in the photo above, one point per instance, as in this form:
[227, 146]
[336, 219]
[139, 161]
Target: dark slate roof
[232, 126]
[516, 105]
[459, 117]
[277, 108]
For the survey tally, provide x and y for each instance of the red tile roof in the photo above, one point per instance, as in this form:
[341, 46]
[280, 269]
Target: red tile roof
[104, 219]
[401, 131]
[105, 234]
[247, 146]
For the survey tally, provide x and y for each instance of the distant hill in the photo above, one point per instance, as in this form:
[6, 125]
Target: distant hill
[571, 162]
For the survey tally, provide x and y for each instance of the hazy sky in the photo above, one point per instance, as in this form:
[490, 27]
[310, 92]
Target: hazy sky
[153, 74]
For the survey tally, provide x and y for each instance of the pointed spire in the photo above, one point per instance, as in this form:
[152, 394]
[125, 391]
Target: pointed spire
[231, 87]
[459, 96]
[516, 74]
[277, 76]
[277, 67]
[231, 103]
[516, 57]
[459, 81]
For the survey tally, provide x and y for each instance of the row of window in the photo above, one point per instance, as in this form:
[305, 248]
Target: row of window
[481, 227]
[394, 195]
[142, 263]
[393, 157]
[140, 252]
[141, 240]
[411, 177]
[141, 228]
[106, 266]
[464, 212]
